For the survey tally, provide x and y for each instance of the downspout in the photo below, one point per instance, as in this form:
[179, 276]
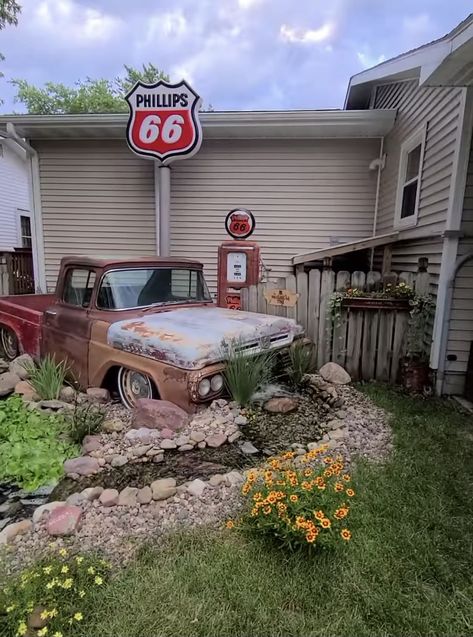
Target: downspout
[164, 209]
[380, 164]
[35, 200]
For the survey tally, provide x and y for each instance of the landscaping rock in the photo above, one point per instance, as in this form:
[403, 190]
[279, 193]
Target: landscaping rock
[141, 450]
[188, 447]
[118, 461]
[281, 405]
[158, 459]
[64, 520]
[335, 424]
[83, 466]
[197, 436]
[202, 445]
[35, 621]
[248, 448]
[108, 497]
[341, 413]
[163, 489]
[55, 405]
[23, 388]
[75, 499]
[92, 493]
[168, 444]
[157, 414]
[337, 434]
[241, 421]
[144, 495]
[19, 365]
[233, 437]
[98, 395]
[334, 373]
[91, 443]
[12, 530]
[216, 441]
[46, 508]
[234, 478]
[68, 394]
[182, 440]
[8, 382]
[112, 425]
[127, 496]
[142, 435]
[167, 433]
[196, 487]
[217, 479]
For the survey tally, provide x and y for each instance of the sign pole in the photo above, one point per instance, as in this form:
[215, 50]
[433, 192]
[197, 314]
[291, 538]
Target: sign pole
[164, 209]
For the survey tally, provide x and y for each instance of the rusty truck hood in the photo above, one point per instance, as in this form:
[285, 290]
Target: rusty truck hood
[194, 337]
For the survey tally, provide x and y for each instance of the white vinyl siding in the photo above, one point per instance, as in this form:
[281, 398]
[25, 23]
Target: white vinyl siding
[305, 195]
[97, 199]
[460, 333]
[14, 194]
[439, 110]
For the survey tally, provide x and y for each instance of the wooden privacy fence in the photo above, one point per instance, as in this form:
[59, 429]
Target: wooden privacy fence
[369, 343]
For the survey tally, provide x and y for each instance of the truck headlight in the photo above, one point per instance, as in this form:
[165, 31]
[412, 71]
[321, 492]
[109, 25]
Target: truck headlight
[216, 382]
[204, 387]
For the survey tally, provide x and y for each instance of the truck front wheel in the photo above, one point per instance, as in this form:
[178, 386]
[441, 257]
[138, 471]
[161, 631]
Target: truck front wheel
[133, 385]
[8, 343]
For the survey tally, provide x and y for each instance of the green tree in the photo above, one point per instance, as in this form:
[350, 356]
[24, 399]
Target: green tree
[86, 96]
[9, 10]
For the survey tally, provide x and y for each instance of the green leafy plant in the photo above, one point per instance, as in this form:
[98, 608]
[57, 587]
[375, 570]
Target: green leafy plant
[245, 374]
[32, 445]
[301, 505]
[301, 362]
[47, 377]
[54, 593]
[422, 311]
[84, 420]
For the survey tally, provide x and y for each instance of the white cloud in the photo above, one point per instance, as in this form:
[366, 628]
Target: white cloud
[367, 60]
[307, 36]
[71, 21]
[249, 4]
[417, 25]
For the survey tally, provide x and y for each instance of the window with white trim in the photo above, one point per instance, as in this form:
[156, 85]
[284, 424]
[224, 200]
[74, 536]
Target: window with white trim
[410, 170]
[24, 228]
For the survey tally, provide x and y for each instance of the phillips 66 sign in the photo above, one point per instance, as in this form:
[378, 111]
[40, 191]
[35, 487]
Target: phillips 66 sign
[164, 121]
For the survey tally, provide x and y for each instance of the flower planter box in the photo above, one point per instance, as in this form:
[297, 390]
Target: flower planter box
[370, 303]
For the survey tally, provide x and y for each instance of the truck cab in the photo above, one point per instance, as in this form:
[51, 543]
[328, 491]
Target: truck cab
[146, 327]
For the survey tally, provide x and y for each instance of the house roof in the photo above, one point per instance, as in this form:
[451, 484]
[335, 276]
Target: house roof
[216, 125]
[345, 248]
[447, 61]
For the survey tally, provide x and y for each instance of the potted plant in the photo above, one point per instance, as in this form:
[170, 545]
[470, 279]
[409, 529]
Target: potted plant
[415, 370]
[390, 297]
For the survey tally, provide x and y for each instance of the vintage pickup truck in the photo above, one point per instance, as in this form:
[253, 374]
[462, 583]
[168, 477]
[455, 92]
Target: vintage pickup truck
[144, 327]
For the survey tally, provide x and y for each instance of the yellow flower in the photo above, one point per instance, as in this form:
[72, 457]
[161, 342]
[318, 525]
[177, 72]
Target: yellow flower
[50, 584]
[65, 569]
[22, 628]
[350, 493]
[81, 594]
[229, 524]
[293, 498]
[346, 535]
[44, 614]
[10, 608]
[98, 580]
[78, 617]
[67, 583]
[257, 496]
[325, 523]
[57, 634]
[63, 552]
[47, 570]
[346, 477]
[79, 559]
[91, 570]
[53, 612]
[42, 632]
[319, 515]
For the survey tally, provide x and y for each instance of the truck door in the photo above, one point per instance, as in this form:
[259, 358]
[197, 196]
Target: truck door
[66, 324]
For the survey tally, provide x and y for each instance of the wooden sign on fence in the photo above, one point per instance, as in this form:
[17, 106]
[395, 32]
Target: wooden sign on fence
[281, 298]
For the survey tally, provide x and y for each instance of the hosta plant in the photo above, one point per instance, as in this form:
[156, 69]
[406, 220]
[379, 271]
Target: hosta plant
[302, 501]
[52, 595]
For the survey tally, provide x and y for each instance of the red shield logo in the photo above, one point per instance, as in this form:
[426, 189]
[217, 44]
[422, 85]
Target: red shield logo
[164, 121]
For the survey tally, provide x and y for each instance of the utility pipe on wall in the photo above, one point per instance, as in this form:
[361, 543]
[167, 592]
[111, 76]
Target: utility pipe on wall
[380, 164]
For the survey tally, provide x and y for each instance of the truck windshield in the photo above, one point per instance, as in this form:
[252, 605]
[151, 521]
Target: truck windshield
[142, 287]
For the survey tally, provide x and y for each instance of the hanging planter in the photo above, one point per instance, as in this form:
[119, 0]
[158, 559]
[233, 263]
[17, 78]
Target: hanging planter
[375, 303]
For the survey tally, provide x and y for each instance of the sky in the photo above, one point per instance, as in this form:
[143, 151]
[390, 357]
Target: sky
[237, 54]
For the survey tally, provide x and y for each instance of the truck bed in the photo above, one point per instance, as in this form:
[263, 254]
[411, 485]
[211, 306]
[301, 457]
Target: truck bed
[23, 314]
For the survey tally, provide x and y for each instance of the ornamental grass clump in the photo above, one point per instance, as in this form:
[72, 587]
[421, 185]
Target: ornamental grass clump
[51, 598]
[47, 377]
[301, 501]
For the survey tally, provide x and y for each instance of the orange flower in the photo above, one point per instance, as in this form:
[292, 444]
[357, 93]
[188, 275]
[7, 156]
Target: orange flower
[293, 498]
[271, 498]
[307, 486]
[328, 460]
[257, 496]
[230, 524]
[328, 473]
[338, 486]
[346, 477]
[308, 472]
[341, 513]
[325, 523]
[346, 535]
[310, 537]
[246, 488]
[267, 510]
[319, 515]
[350, 493]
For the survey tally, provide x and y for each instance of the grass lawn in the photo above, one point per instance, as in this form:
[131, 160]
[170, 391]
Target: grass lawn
[407, 571]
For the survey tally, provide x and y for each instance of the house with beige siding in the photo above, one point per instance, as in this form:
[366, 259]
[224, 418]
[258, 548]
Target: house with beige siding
[387, 179]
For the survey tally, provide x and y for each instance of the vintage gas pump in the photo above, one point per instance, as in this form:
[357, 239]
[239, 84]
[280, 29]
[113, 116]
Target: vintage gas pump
[238, 260]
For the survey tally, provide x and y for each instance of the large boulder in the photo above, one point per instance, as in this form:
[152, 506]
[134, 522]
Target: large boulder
[163, 489]
[335, 374]
[20, 366]
[281, 405]
[23, 388]
[12, 530]
[64, 520]
[83, 466]
[158, 414]
[8, 382]
[46, 508]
